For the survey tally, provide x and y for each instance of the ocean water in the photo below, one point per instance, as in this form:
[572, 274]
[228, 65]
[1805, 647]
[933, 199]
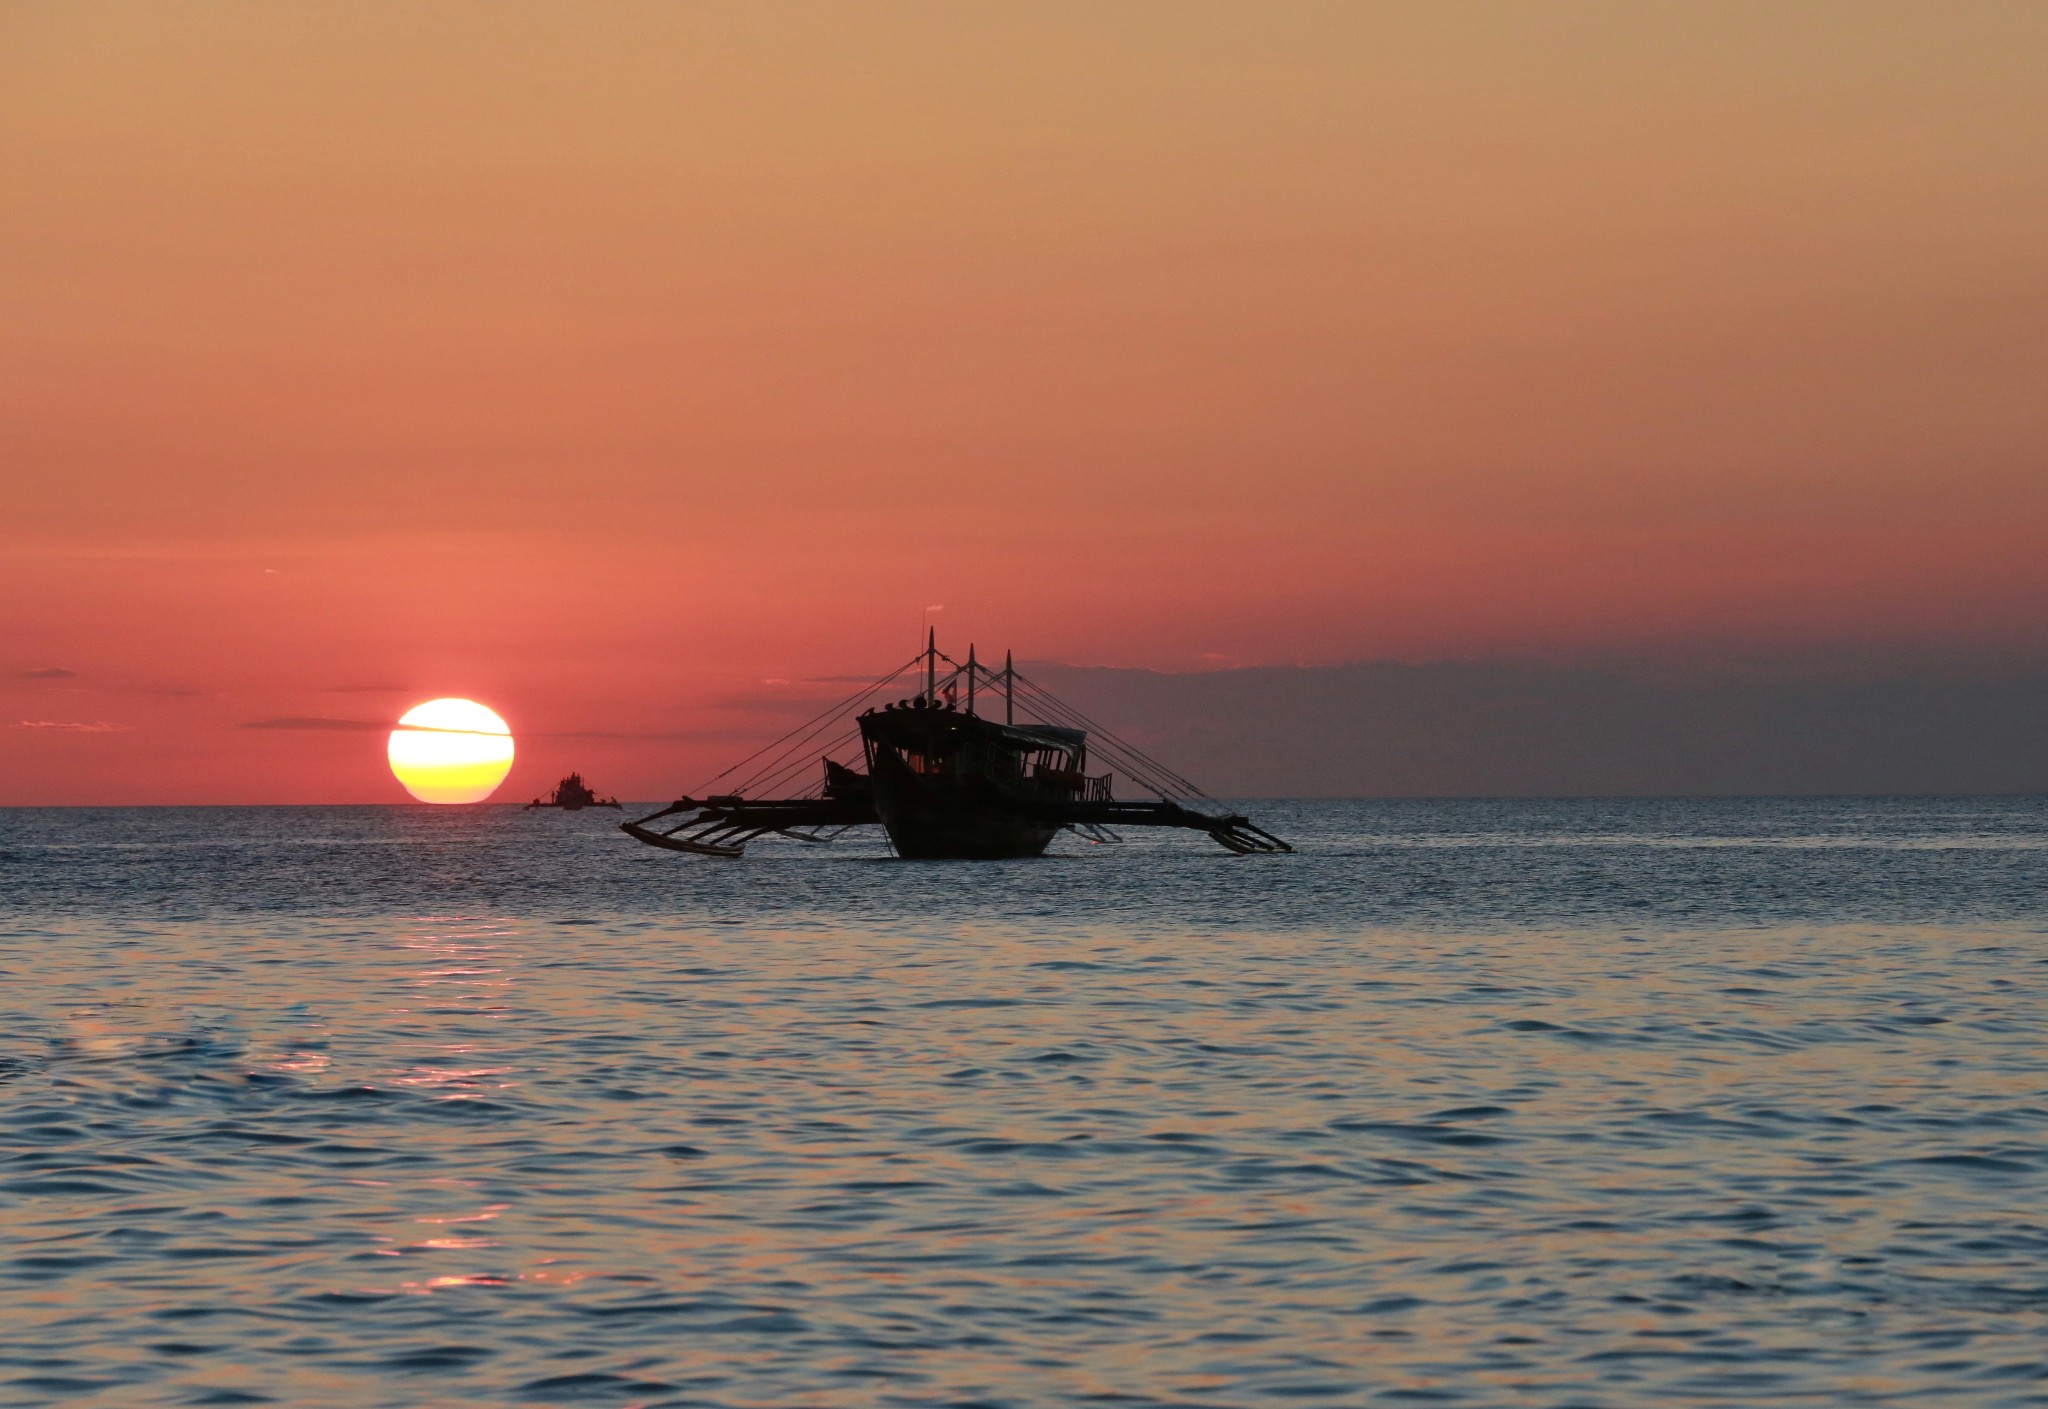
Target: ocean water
[1583, 1103]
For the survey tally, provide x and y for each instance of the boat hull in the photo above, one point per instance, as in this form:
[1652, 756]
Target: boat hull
[953, 819]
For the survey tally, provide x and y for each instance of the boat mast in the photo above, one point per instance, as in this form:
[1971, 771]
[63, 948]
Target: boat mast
[931, 665]
[1009, 690]
[970, 677]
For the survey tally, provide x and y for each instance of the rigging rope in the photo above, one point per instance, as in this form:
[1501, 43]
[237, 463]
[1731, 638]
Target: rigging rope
[784, 760]
[1139, 763]
[829, 714]
[1148, 772]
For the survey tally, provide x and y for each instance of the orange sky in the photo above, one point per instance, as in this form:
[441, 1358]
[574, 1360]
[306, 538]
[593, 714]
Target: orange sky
[606, 362]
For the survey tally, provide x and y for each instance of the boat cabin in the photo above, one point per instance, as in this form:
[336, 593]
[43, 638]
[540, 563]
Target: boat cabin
[943, 742]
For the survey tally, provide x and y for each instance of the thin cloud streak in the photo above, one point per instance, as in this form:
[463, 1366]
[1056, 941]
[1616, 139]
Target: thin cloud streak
[315, 723]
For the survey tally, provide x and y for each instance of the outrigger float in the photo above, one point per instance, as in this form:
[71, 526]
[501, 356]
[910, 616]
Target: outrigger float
[943, 781]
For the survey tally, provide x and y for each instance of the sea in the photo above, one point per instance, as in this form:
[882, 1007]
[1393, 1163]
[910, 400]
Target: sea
[1522, 1103]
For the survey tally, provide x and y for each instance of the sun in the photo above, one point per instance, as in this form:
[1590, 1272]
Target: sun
[451, 751]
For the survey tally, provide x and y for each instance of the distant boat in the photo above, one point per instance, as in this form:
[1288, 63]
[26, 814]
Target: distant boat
[942, 781]
[572, 794]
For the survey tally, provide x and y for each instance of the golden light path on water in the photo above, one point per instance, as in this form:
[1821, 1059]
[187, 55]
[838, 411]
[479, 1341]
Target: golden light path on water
[451, 751]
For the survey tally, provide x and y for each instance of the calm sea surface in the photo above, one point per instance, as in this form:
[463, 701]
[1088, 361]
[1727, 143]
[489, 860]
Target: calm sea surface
[1529, 1103]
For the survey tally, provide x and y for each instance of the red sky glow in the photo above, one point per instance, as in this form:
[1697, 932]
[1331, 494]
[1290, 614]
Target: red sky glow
[604, 366]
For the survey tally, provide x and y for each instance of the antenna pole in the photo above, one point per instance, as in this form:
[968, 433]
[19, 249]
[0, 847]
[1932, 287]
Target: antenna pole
[970, 677]
[1009, 690]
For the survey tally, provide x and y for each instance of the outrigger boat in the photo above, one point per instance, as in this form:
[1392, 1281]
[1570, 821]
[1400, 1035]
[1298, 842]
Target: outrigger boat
[943, 781]
[572, 794]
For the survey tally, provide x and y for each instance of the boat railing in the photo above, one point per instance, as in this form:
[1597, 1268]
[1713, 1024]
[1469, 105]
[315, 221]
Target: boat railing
[1075, 783]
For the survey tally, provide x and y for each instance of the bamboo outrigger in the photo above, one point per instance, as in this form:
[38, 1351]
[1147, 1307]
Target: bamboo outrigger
[944, 782]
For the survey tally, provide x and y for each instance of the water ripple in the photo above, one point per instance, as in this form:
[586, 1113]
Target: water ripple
[1378, 1124]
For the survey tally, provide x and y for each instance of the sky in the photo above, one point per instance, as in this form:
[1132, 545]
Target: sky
[631, 368]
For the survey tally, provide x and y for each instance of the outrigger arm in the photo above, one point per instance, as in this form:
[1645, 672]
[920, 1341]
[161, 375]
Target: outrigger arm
[1231, 831]
[723, 825]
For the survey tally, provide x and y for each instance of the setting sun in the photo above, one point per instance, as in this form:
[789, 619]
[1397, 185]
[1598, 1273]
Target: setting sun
[451, 751]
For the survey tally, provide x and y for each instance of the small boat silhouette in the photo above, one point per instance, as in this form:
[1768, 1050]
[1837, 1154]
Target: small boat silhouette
[572, 794]
[944, 782]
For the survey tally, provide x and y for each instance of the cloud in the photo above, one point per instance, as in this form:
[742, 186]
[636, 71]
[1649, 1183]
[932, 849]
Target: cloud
[60, 672]
[661, 736]
[778, 704]
[97, 727]
[316, 723]
[1533, 728]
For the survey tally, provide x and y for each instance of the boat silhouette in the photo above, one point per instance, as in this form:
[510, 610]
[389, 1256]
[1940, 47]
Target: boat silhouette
[572, 794]
[942, 780]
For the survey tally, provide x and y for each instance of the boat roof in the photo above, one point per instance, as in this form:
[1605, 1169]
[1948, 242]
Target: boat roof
[1030, 736]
